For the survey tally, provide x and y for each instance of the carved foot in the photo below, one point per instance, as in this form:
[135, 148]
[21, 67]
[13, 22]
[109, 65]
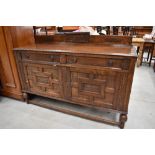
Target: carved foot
[122, 120]
[25, 95]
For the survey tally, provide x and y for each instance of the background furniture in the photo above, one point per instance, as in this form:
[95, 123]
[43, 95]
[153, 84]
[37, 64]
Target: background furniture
[115, 30]
[100, 28]
[90, 75]
[140, 43]
[69, 28]
[44, 30]
[139, 31]
[36, 28]
[148, 47]
[12, 37]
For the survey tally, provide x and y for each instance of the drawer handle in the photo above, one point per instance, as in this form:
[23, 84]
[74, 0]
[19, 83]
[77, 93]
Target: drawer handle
[73, 60]
[52, 56]
[63, 59]
[27, 56]
[110, 63]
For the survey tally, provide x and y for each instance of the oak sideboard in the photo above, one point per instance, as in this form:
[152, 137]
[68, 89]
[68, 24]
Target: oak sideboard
[86, 73]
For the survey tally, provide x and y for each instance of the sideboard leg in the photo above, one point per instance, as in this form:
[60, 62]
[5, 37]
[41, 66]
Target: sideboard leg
[122, 120]
[25, 95]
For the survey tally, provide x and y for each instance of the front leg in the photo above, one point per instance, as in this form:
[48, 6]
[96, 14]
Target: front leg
[122, 120]
[26, 97]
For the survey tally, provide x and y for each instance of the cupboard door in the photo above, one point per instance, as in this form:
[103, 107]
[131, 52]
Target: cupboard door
[43, 79]
[97, 88]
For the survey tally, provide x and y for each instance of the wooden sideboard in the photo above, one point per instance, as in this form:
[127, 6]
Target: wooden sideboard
[95, 74]
[11, 37]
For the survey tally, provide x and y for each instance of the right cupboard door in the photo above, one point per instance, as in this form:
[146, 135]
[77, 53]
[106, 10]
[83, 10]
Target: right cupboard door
[98, 88]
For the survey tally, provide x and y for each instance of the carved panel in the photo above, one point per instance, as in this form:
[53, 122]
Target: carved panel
[43, 79]
[97, 89]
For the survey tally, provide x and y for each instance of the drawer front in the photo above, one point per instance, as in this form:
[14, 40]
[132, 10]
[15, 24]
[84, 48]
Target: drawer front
[43, 79]
[120, 63]
[30, 56]
[59, 58]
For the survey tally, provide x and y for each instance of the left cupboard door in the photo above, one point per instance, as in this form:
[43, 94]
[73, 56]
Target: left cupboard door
[44, 80]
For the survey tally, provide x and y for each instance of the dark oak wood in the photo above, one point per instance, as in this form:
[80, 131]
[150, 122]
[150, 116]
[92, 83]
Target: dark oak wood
[123, 119]
[69, 37]
[11, 37]
[94, 114]
[96, 74]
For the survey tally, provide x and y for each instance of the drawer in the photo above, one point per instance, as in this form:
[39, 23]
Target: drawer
[102, 62]
[40, 57]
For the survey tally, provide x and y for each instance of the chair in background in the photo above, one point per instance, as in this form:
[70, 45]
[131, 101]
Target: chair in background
[108, 30]
[99, 30]
[147, 49]
[126, 30]
[115, 30]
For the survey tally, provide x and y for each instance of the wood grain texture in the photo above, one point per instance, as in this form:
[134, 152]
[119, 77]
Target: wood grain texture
[11, 37]
[89, 74]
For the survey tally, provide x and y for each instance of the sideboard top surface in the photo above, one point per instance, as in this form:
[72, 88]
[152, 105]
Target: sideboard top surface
[84, 48]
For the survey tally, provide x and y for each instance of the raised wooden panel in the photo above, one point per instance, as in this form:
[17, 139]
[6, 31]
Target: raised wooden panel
[97, 89]
[43, 79]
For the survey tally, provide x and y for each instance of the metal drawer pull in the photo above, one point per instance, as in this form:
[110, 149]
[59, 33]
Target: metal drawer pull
[110, 63]
[73, 60]
[52, 56]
